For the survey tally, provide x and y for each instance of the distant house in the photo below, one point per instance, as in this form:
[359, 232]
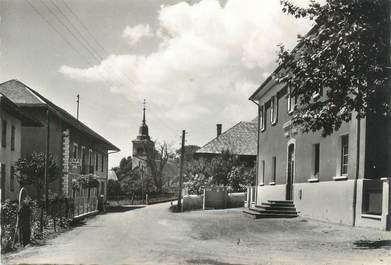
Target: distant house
[12, 119]
[80, 152]
[239, 140]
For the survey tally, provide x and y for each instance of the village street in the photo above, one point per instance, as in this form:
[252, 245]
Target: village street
[154, 235]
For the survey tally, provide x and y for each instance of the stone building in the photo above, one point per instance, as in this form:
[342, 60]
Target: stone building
[80, 152]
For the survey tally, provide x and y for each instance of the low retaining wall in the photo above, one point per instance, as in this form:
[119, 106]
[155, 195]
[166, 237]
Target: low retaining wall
[192, 202]
[196, 202]
[236, 200]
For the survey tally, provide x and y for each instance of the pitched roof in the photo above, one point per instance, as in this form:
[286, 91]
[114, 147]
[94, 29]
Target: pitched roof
[25, 96]
[241, 139]
[7, 105]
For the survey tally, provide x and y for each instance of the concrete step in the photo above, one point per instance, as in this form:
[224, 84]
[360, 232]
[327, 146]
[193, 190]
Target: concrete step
[271, 209]
[280, 202]
[250, 213]
[257, 215]
[275, 205]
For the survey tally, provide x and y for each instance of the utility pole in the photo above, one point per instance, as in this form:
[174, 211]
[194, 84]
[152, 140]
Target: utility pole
[181, 171]
[47, 159]
[78, 103]
[46, 184]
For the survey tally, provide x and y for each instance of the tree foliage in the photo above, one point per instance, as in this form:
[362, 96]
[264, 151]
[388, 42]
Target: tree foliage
[345, 56]
[113, 187]
[32, 170]
[224, 170]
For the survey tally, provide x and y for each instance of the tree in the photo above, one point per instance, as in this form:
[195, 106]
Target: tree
[113, 187]
[197, 175]
[240, 177]
[32, 171]
[223, 170]
[129, 180]
[124, 169]
[189, 152]
[156, 161]
[345, 54]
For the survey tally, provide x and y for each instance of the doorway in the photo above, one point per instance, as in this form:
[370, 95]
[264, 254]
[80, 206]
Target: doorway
[290, 171]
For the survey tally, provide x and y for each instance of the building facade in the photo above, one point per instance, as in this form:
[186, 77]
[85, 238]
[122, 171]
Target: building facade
[12, 119]
[80, 153]
[341, 178]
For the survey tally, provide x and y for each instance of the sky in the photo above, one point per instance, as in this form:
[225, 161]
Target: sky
[195, 62]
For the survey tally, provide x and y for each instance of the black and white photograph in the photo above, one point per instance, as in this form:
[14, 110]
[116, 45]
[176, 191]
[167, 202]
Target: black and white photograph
[186, 132]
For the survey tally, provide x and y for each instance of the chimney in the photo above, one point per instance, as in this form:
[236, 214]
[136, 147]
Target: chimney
[218, 127]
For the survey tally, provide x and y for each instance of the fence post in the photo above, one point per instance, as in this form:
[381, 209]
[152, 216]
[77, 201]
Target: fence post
[386, 211]
[203, 200]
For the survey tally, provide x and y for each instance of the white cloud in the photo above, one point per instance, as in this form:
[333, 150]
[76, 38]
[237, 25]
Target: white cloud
[136, 33]
[209, 60]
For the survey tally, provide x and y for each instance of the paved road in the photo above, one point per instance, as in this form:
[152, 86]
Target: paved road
[153, 235]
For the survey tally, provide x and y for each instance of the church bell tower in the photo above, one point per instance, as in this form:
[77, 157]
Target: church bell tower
[143, 145]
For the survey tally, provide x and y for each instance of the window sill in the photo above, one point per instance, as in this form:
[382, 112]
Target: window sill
[371, 216]
[261, 184]
[340, 178]
[272, 183]
[311, 180]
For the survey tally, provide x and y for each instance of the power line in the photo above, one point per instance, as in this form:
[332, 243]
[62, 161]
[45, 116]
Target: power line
[83, 25]
[75, 28]
[70, 31]
[84, 42]
[53, 28]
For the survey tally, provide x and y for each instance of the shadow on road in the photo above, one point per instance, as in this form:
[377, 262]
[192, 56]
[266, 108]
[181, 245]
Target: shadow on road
[123, 208]
[209, 261]
[375, 244]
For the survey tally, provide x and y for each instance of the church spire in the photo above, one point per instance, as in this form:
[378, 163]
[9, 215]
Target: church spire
[144, 111]
[143, 130]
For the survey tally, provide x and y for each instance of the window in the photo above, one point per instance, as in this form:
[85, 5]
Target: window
[103, 163]
[274, 167]
[12, 180]
[2, 167]
[96, 161]
[90, 157]
[292, 101]
[12, 138]
[75, 151]
[263, 171]
[262, 121]
[344, 154]
[316, 159]
[83, 156]
[274, 110]
[4, 133]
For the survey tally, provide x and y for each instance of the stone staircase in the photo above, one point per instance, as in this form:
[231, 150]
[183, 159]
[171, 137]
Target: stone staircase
[272, 209]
